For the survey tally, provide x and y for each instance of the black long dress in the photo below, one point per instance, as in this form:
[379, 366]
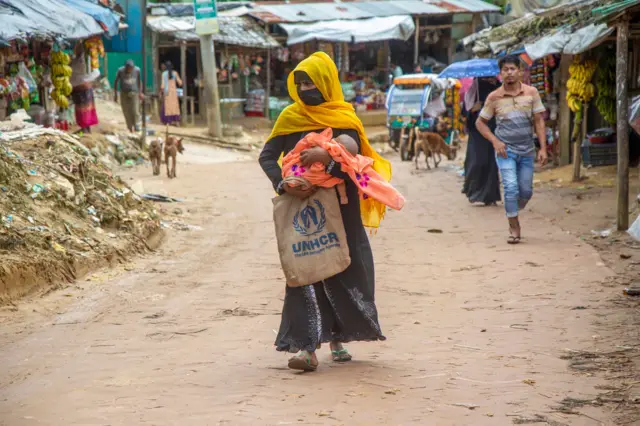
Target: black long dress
[341, 308]
[481, 182]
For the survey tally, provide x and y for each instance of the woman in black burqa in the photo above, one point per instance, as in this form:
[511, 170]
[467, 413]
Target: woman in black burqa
[341, 308]
[481, 182]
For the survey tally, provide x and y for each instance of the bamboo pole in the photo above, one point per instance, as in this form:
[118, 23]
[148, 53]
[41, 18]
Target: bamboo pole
[564, 115]
[622, 47]
[183, 76]
[267, 89]
[577, 143]
[416, 47]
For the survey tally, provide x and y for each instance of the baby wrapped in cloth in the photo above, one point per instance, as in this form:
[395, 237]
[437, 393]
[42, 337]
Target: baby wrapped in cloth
[357, 167]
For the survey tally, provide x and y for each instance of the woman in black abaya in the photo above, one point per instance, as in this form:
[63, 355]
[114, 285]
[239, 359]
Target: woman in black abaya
[481, 183]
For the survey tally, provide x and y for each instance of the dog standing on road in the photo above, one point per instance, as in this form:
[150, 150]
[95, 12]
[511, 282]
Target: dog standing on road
[172, 146]
[432, 144]
[155, 155]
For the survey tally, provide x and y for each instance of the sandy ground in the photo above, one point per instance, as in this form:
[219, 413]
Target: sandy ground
[479, 332]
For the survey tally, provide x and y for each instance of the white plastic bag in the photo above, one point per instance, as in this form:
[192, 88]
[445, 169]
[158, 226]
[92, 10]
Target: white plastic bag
[23, 72]
[634, 114]
[634, 230]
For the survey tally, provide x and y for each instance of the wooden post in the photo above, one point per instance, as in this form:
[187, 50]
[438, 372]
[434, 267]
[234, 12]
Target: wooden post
[106, 68]
[345, 58]
[199, 88]
[387, 56]
[183, 76]
[622, 130]
[193, 111]
[267, 89]
[475, 23]
[564, 115]
[155, 63]
[339, 47]
[214, 121]
[143, 89]
[416, 47]
[577, 147]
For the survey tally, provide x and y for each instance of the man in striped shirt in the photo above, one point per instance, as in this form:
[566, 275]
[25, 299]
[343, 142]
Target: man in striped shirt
[518, 110]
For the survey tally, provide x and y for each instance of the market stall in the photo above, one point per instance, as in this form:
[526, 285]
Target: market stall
[242, 55]
[35, 60]
[595, 79]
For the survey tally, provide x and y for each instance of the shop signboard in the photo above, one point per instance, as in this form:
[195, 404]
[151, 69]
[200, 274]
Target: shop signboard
[206, 14]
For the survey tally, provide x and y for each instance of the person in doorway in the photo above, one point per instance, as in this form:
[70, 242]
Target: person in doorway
[518, 109]
[341, 308]
[170, 113]
[397, 71]
[129, 84]
[82, 79]
[481, 181]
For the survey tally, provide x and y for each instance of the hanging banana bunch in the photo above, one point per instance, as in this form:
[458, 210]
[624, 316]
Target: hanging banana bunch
[95, 47]
[579, 87]
[606, 85]
[61, 71]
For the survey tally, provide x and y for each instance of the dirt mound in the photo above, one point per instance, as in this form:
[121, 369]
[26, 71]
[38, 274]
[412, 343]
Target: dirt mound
[63, 212]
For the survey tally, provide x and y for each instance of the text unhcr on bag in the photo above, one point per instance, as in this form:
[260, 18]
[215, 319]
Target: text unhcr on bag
[311, 239]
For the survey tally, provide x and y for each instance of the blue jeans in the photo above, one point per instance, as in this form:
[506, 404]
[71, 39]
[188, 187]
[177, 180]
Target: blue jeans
[517, 181]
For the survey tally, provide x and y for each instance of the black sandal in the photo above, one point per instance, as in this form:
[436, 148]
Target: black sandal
[513, 240]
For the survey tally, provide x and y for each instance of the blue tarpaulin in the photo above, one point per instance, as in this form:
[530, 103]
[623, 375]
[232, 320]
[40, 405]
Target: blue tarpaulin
[52, 18]
[101, 14]
[472, 68]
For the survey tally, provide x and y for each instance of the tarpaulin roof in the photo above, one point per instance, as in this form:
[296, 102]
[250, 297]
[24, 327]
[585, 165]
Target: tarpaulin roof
[311, 12]
[54, 18]
[356, 31]
[466, 6]
[186, 9]
[108, 18]
[570, 28]
[234, 30]
[565, 41]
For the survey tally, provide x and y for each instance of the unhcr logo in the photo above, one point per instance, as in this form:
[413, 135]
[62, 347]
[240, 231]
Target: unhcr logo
[311, 221]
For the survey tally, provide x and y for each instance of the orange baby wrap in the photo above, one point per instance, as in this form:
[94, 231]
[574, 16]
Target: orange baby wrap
[357, 167]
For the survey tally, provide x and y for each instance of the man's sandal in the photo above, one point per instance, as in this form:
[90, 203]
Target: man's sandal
[341, 355]
[513, 240]
[302, 362]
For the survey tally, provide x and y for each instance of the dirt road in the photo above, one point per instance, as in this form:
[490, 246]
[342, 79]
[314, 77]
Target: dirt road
[476, 329]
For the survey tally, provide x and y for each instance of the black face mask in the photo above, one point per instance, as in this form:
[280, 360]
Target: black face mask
[311, 97]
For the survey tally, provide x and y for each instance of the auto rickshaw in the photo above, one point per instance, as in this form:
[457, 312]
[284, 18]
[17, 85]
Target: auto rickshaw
[407, 103]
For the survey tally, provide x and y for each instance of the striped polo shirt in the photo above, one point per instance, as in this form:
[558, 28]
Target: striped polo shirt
[514, 117]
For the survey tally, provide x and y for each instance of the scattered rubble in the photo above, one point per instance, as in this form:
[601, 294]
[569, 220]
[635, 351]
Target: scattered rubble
[62, 209]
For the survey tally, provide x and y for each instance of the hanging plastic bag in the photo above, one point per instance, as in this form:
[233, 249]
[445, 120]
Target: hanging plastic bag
[23, 72]
[634, 114]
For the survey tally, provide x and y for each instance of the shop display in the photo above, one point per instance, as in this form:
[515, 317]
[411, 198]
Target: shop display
[579, 87]
[96, 51]
[606, 85]
[61, 71]
[452, 102]
[255, 103]
[541, 75]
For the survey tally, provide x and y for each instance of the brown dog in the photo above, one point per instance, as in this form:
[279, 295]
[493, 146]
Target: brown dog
[172, 146]
[434, 146]
[155, 155]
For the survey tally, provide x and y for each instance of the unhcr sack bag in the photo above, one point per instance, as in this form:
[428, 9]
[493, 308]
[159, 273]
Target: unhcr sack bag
[311, 239]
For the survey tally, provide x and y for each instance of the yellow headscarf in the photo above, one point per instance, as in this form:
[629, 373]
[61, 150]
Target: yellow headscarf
[336, 113]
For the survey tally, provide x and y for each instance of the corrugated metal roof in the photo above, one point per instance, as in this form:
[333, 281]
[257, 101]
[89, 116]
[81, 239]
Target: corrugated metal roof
[312, 12]
[465, 6]
[234, 30]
